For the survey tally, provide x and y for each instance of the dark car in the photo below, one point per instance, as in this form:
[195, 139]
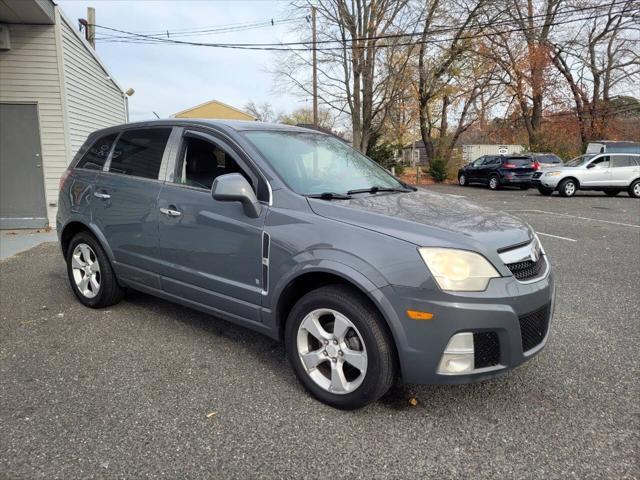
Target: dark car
[293, 233]
[498, 170]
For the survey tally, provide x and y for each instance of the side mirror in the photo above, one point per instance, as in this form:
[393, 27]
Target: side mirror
[233, 187]
[591, 165]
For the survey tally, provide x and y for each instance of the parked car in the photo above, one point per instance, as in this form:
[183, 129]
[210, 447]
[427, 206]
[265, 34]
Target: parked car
[546, 160]
[610, 173]
[498, 170]
[296, 235]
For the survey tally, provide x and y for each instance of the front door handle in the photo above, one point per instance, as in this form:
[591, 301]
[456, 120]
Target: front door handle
[170, 213]
[104, 196]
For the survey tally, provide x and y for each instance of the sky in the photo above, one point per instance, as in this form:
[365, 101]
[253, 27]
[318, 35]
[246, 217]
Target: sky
[171, 78]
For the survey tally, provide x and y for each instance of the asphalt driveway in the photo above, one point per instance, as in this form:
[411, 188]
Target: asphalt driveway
[150, 389]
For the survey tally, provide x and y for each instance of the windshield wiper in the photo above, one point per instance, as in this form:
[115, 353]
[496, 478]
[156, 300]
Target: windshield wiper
[329, 196]
[379, 189]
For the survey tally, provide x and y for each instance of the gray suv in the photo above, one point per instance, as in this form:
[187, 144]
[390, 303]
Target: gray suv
[294, 234]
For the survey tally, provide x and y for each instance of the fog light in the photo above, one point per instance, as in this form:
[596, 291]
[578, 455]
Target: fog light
[458, 357]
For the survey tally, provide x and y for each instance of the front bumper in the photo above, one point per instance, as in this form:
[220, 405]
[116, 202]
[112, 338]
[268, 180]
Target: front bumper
[499, 309]
[546, 182]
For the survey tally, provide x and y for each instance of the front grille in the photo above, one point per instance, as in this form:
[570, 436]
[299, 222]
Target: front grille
[486, 347]
[528, 269]
[533, 327]
[537, 174]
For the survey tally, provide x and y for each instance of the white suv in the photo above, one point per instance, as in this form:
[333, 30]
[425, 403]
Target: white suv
[611, 173]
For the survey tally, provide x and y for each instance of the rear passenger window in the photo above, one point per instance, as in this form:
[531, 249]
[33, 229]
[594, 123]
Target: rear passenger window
[139, 152]
[623, 161]
[97, 154]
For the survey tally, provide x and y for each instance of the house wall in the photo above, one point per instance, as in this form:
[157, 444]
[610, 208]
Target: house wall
[93, 101]
[29, 73]
[215, 110]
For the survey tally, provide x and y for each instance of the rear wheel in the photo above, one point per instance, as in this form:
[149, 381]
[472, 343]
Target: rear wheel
[339, 348]
[494, 182]
[568, 188]
[462, 180]
[545, 191]
[90, 273]
[634, 189]
[611, 193]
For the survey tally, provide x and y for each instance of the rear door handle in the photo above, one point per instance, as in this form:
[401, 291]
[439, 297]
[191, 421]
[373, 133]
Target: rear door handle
[104, 196]
[170, 212]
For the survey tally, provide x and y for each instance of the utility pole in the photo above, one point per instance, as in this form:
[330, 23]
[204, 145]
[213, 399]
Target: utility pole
[315, 67]
[91, 27]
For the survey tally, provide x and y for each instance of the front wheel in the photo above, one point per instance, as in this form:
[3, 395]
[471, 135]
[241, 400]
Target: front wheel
[568, 188]
[339, 348]
[90, 274]
[545, 191]
[462, 180]
[634, 189]
[494, 182]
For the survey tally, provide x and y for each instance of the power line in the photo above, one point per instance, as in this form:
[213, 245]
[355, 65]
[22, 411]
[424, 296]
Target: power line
[229, 28]
[139, 38]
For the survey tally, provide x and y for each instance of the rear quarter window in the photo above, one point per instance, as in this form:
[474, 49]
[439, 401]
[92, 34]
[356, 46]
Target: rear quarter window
[97, 153]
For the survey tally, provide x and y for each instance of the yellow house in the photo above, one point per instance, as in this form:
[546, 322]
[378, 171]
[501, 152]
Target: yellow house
[215, 109]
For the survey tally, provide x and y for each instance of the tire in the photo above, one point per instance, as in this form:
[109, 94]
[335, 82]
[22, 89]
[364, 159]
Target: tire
[547, 192]
[462, 180]
[568, 188]
[494, 182]
[88, 252]
[611, 193]
[634, 189]
[366, 340]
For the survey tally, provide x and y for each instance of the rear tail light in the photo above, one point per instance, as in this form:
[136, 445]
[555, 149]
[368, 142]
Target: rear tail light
[510, 165]
[536, 165]
[63, 179]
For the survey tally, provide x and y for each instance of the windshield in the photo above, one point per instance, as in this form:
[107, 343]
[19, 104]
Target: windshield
[578, 161]
[313, 163]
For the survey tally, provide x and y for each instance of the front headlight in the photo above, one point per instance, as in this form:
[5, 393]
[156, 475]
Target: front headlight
[552, 174]
[458, 270]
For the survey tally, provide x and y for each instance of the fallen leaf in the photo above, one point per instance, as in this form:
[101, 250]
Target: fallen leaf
[413, 401]
[211, 414]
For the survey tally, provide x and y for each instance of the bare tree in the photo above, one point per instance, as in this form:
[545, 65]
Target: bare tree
[354, 36]
[596, 59]
[522, 52]
[263, 112]
[441, 59]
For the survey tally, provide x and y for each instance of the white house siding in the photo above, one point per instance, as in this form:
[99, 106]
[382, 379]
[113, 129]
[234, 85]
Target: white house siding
[29, 73]
[93, 101]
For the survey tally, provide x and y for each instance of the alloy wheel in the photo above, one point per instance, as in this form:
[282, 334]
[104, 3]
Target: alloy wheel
[493, 183]
[570, 188]
[332, 351]
[86, 270]
[462, 180]
[636, 189]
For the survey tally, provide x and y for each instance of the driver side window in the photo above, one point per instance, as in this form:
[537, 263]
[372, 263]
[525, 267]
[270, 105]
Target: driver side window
[202, 161]
[602, 162]
[478, 162]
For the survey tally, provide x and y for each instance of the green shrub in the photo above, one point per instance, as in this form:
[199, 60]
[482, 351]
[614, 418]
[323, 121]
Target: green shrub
[438, 169]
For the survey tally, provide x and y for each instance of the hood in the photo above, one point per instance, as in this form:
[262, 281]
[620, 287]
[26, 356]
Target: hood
[428, 219]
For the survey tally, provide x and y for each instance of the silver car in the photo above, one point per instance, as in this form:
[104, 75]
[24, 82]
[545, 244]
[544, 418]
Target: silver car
[610, 173]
